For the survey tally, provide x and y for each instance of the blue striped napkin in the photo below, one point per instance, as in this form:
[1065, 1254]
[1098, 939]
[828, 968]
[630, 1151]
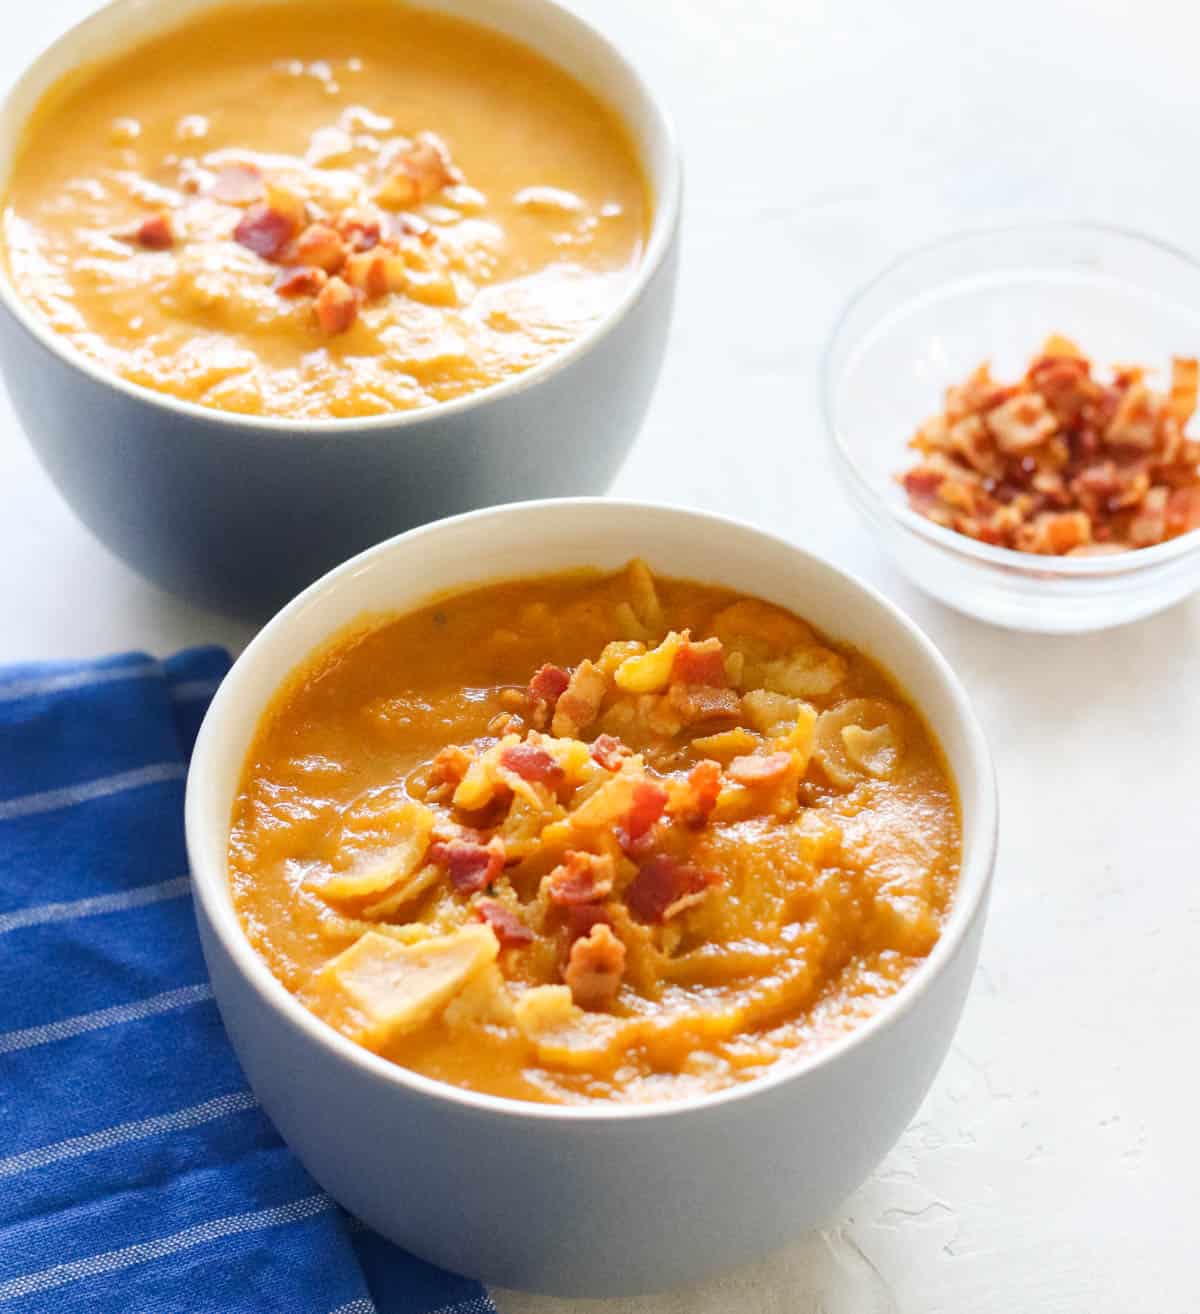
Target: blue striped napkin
[137, 1172]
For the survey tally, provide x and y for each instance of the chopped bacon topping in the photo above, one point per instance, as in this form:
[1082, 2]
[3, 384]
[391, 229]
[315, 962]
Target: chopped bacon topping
[360, 232]
[594, 968]
[533, 764]
[337, 307]
[701, 663]
[321, 246]
[449, 765]
[581, 878]
[664, 887]
[647, 805]
[757, 769]
[265, 230]
[696, 800]
[608, 752]
[703, 702]
[302, 281]
[549, 683]
[238, 184]
[1060, 463]
[581, 917]
[579, 703]
[470, 866]
[154, 233]
[420, 172]
[510, 930]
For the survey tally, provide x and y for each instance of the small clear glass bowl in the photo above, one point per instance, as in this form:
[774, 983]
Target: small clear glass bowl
[926, 322]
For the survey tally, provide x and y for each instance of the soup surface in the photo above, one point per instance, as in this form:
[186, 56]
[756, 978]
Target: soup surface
[593, 837]
[318, 210]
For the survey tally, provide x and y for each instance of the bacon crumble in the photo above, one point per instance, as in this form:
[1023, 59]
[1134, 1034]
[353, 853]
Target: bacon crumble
[533, 764]
[647, 805]
[608, 752]
[336, 307]
[1060, 463]
[665, 887]
[594, 968]
[548, 684]
[510, 930]
[580, 879]
[470, 866]
[154, 232]
[265, 230]
[757, 769]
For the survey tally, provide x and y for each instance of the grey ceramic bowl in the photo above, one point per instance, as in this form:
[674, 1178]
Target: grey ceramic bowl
[591, 1200]
[239, 512]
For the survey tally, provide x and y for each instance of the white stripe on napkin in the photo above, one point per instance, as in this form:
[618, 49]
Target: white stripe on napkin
[67, 1027]
[43, 684]
[143, 1252]
[138, 897]
[193, 1116]
[357, 1307]
[51, 799]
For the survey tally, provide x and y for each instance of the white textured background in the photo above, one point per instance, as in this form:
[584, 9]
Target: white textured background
[1054, 1167]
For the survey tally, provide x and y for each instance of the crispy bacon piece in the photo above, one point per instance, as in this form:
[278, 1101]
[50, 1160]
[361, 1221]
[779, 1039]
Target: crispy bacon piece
[154, 233]
[301, 281]
[581, 917]
[470, 866]
[358, 230]
[697, 799]
[1183, 510]
[321, 246]
[579, 703]
[1056, 533]
[265, 230]
[238, 184]
[337, 307]
[581, 878]
[533, 764]
[545, 688]
[1185, 383]
[594, 968]
[449, 765]
[420, 172]
[1062, 463]
[510, 930]
[647, 805]
[760, 769]
[703, 702]
[665, 887]
[608, 752]
[701, 663]
[1149, 526]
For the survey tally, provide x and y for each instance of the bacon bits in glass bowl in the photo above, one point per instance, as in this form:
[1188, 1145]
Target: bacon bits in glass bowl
[1056, 487]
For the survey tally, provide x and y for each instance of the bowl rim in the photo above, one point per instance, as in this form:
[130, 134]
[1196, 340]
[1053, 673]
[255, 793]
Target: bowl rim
[210, 884]
[666, 193]
[1008, 559]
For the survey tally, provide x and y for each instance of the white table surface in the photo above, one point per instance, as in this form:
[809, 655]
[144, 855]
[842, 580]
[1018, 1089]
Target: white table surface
[1054, 1166]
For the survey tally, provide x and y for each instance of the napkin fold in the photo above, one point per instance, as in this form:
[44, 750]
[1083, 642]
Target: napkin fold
[137, 1171]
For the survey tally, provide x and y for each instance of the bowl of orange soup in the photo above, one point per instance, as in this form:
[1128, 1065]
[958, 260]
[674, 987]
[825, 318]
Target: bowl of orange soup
[280, 279]
[590, 889]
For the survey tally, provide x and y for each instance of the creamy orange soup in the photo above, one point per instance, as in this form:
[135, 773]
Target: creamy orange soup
[593, 838]
[321, 210]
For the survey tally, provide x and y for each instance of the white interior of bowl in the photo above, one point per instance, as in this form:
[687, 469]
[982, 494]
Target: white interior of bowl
[540, 537]
[542, 25]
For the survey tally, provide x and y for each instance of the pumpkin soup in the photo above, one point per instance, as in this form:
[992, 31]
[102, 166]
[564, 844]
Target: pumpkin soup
[593, 838]
[313, 210]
